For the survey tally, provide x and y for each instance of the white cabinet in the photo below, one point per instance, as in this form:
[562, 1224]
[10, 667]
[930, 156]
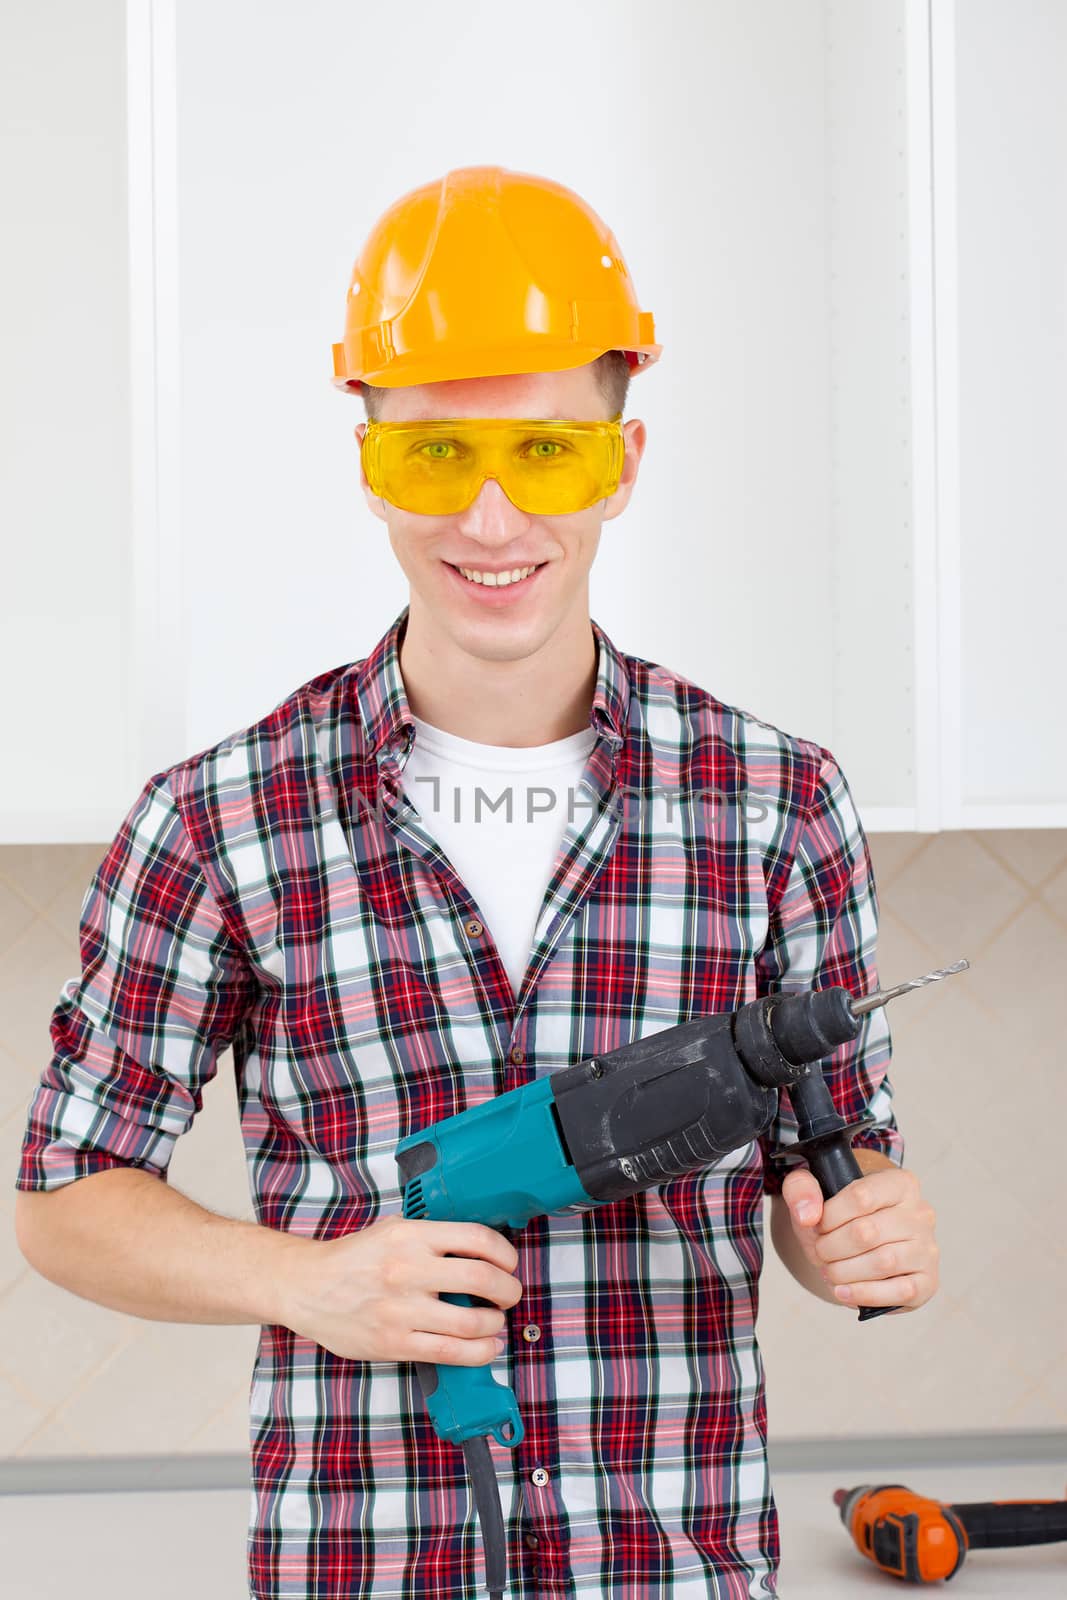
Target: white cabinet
[848, 222]
[1007, 378]
[66, 752]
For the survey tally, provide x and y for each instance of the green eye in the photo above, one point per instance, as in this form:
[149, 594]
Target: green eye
[554, 447]
[437, 449]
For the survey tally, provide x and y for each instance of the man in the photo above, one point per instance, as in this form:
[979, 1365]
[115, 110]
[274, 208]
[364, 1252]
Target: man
[379, 959]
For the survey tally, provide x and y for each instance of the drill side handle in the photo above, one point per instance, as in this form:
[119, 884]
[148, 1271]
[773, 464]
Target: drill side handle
[831, 1159]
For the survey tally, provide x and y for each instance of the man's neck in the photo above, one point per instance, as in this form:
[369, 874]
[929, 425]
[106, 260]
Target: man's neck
[517, 704]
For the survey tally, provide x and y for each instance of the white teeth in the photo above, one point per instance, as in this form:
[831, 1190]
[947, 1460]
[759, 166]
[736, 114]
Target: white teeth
[497, 580]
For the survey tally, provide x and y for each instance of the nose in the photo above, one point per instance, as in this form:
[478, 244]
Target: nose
[491, 518]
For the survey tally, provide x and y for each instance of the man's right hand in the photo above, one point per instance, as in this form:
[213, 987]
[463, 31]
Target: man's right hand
[372, 1295]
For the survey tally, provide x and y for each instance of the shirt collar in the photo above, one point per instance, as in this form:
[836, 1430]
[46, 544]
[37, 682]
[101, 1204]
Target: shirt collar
[386, 715]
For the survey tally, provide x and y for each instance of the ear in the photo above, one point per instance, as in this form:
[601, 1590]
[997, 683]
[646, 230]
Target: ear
[634, 437]
[376, 503]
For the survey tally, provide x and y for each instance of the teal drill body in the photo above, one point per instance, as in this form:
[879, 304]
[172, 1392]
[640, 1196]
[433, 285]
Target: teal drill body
[528, 1176]
[451, 1180]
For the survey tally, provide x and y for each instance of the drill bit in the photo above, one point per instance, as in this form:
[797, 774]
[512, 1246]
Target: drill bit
[878, 997]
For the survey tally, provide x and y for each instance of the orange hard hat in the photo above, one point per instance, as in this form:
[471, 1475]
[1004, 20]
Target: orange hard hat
[485, 272]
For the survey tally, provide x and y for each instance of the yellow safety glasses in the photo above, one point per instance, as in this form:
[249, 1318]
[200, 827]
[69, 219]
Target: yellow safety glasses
[545, 468]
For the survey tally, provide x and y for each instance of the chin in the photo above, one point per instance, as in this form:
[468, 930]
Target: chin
[503, 641]
[500, 638]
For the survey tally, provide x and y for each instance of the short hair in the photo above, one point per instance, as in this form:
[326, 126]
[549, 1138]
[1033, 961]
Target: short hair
[610, 370]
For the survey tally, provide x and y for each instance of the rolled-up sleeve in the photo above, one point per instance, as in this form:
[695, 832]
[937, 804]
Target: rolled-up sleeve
[163, 989]
[823, 932]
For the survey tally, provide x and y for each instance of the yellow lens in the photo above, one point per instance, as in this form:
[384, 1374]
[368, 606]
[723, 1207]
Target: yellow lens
[552, 474]
[546, 469]
[430, 473]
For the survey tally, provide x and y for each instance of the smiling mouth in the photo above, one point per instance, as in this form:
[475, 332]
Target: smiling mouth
[497, 580]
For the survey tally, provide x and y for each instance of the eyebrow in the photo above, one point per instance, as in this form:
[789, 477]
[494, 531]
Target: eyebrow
[557, 416]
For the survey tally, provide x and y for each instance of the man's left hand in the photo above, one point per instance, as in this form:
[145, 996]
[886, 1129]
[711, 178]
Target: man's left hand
[873, 1241]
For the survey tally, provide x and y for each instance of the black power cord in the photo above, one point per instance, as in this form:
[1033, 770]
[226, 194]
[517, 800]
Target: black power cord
[482, 1475]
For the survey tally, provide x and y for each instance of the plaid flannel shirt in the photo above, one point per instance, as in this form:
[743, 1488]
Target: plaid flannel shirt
[278, 893]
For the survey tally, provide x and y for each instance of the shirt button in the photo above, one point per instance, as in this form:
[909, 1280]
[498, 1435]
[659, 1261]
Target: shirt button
[531, 1333]
[517, 1055]
[539, 1477]
[474, 928]
[532, 1541]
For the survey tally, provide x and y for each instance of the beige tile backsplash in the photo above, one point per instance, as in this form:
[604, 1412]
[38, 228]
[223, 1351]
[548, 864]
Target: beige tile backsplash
[980, 1098]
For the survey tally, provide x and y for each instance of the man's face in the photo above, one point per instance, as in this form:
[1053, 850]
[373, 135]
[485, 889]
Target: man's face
[492, 534]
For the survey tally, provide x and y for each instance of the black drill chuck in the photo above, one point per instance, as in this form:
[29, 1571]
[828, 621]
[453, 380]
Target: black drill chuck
[781, 1035]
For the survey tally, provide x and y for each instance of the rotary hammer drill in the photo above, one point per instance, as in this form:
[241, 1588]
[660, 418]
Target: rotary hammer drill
[667, 1105]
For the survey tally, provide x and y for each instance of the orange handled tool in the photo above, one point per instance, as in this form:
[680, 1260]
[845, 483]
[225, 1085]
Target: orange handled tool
[923, 1541]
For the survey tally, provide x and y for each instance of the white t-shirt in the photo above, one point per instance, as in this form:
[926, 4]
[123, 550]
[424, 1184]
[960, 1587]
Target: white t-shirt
[499, 815]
